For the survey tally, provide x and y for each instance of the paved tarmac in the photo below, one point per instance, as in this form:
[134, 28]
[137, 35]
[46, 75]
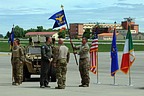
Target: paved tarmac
[105, 88]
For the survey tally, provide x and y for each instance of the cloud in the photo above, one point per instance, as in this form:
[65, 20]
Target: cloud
[107, 14]
[22, 10]
[78, 6]
[121, 0]
[130, 5]
[34, 14]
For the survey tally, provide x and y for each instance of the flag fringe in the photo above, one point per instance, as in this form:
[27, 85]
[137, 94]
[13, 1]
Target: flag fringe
[114, 73]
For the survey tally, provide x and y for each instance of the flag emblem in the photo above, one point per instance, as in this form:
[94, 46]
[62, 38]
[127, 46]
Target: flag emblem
[59, 18]
[114, 55]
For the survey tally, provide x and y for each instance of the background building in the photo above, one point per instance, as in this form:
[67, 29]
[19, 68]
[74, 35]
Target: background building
[77, 29]
[40, 36]
[133, 26]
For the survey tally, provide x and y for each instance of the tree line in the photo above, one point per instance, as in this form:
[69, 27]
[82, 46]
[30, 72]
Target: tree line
[62, 32]
[20, 32]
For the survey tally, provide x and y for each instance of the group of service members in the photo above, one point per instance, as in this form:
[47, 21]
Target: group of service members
[58, 55]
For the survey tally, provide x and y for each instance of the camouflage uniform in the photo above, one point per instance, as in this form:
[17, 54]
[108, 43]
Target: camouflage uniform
[61, 66]
[46, 54]
[55, 52]
[21, 67]
[17, 60]
[84, 65]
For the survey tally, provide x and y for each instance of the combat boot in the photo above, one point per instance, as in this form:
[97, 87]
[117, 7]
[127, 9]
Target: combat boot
[59, 87]
[17, 84]
[47, 86]
[80, 85]
[13, 83]
[86, 85]
[42, 86]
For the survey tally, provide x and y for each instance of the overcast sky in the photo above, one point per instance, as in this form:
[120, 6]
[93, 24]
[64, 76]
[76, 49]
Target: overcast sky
[31, 13]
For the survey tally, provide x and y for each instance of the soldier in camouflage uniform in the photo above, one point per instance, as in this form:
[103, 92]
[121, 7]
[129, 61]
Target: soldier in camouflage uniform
[24, 52]
[55, 52]
[17, 60]
[84, 64]
[61, 65]
[46, 58]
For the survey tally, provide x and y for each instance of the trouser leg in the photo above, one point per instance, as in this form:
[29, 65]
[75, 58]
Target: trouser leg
[59, 76]
[44, 74]
[14, 72]
[81, 74]
[64, 70]
[84, 71]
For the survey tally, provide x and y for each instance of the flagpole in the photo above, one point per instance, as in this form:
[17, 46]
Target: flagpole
[70, 38]
[97, 69]
[11, 62]
[114, 79]
[97, 62]
[129, 73]
[114, 31]
[129, 25]
[129, 61]
[128, 48]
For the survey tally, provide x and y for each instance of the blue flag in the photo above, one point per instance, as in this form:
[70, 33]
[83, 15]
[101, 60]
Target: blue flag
[114, 56]
[11, 38]
[59, 18]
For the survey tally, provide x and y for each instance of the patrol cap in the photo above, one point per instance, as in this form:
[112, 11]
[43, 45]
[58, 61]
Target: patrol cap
[85, 38]
[47, 37]
[61, 39]
[18, 40]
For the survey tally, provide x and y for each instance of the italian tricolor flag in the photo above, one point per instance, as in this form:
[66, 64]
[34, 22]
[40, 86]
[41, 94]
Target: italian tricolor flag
[128, 55]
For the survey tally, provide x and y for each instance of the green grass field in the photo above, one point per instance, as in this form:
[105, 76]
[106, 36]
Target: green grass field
[4, 47]
[107, 47]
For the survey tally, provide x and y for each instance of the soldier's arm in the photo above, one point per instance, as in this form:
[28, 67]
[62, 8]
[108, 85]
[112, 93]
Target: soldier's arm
[55, 54]
[84, 49]
[22, 57]
[11, 57]
[76, 47]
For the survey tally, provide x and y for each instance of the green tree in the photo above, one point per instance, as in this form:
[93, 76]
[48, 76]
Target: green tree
[7, 35]
[39, 29]
[61, 34]
[87, 33]
[50, 30]
[31, 30]
[19, 32]
[1, 36]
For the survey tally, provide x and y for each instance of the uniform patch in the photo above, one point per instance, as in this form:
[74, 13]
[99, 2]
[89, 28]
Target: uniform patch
[43, 46]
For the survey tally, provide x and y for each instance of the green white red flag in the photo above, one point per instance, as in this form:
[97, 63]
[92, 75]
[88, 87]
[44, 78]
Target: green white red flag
[128, 56]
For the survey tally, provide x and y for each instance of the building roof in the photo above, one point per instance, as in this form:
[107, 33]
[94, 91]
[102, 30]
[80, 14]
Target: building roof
[107, 34]
[77, 23]
[40, 33]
